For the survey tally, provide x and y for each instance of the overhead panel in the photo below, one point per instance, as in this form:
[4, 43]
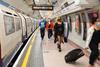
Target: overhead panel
[45, 7]
[42, 7]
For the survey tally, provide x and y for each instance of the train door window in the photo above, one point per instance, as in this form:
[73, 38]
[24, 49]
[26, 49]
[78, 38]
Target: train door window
[84, 26]
[28, 21]
[78, 24]
[18, 23]
[33, 21]
[70, 23]
[9, 24]
[63, 18]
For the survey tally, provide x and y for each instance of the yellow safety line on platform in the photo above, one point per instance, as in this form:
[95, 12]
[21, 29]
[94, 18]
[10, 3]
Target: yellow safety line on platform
[26, 57]
[24, 64]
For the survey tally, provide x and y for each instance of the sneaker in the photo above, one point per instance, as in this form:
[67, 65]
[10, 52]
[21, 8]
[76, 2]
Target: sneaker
[55, 41]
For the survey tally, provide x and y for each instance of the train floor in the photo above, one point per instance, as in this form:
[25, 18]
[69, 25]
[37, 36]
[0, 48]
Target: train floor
[44, 53]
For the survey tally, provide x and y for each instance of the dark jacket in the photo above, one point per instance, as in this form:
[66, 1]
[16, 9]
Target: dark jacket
[59, 29]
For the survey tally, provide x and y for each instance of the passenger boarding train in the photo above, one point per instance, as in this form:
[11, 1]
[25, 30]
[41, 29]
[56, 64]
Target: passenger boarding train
[14, 29]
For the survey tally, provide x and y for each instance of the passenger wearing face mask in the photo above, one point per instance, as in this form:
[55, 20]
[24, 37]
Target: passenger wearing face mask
[92, 42]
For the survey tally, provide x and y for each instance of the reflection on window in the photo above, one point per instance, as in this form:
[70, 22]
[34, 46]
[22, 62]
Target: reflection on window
[84, 26]
[9, 24]
[18, 24]
[78, 24]
[70, 23]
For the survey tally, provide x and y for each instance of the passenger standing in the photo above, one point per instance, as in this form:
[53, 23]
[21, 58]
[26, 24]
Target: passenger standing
[42, 25]
[93, 41]
[59, 33]
[50, 26]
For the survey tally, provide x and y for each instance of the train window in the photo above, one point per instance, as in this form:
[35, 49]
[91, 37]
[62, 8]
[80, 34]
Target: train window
[9, 24]
[78, 24]
[28, 22]
[8, 13]
[84, 26]
[15, 15]
[18, 23]
[70, 20]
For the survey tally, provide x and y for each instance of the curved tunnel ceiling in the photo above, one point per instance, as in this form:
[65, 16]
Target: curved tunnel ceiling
[45, 14]
[37, 2]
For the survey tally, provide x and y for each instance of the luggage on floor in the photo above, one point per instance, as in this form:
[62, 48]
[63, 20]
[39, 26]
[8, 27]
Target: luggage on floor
[73, 55]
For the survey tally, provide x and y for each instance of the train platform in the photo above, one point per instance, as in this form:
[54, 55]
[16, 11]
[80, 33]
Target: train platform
[44, 53]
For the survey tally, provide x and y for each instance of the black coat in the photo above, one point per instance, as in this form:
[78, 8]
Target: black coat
[59, 29]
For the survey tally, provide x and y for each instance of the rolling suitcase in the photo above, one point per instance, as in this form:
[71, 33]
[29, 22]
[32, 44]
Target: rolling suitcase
[73, 55]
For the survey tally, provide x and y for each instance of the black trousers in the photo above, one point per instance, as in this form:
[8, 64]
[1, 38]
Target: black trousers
[93, 56]
[42, 32]
[50, 33]
[94, 53]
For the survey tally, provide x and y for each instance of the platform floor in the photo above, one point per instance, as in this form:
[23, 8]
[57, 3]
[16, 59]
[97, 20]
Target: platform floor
[44, 53]
[53, 58]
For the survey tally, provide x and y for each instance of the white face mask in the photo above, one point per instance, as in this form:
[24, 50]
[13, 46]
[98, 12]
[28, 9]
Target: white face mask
[98, 24]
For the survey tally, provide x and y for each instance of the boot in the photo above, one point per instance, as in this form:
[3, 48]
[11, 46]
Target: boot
[59, 50]
[59, 47]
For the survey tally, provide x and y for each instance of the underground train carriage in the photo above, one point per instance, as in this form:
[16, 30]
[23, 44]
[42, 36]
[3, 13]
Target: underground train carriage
[14, 28]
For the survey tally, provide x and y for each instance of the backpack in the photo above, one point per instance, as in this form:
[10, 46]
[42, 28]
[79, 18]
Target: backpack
[42, 25]
[60, 27]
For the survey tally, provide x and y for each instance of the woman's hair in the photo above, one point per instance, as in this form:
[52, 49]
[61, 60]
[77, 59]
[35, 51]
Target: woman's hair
[59, 20]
